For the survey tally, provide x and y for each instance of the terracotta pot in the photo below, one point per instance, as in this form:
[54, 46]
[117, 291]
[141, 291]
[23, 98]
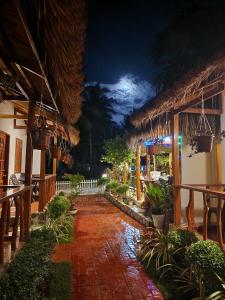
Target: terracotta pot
[153, 149]
[158, 220]
[41, 138]
[56, 152]
[204, 143]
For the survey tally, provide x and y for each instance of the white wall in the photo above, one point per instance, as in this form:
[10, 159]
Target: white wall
[197, 169]
[7, 126]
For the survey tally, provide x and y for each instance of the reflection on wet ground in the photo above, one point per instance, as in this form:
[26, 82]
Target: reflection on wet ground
[103, 254]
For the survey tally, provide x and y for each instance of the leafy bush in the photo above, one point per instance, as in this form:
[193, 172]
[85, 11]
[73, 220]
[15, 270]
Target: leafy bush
[60, 285]
[61, 227]
[207, 255]
[30, 270]
[103, 181]
[112, 185]
[181, 237]
[122, 189]
[58, 206]
[156, 197]
[75, 180]
[62, 194]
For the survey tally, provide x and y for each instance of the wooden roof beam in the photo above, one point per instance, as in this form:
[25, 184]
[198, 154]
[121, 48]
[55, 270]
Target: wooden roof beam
[195, 99]
[34, 49]
[207, 111]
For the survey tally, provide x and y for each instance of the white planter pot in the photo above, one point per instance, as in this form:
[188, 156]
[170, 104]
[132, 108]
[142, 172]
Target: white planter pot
[158, 221]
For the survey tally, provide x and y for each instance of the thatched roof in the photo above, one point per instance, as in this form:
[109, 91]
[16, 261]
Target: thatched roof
[42, 46]
[206, 79]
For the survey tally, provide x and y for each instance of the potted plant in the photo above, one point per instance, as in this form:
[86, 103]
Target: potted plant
[156, 199]
[203, 139]
[41, 134]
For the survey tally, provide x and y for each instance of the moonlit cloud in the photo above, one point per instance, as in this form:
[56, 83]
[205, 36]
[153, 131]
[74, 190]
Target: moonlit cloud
[129, 93]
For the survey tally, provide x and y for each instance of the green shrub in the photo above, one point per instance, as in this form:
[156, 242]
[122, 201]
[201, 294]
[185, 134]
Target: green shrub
[181, 237]
[58, 206]
[207, 255]
[62, 194]
[60, 285]
[122, 189]
[30, 270]
[112, 185]
[103, 181]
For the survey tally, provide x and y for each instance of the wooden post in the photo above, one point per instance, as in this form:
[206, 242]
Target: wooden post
[138, 172]
[28, 167]
[154, 162]
[170, 164]
[219, 163]
[125, 172]
[148, 164]
[42, 191]
[176, 169]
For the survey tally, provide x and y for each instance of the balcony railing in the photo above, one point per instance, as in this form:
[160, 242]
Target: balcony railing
[12, 198]
[208, 192]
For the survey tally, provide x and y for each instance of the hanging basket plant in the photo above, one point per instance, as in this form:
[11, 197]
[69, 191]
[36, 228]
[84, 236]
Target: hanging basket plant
[153, 149]
[203, 139]
[56, 151]
[41, 134]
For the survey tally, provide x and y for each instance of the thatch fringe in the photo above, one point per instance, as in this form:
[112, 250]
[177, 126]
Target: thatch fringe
[64, 27]
[191, 83]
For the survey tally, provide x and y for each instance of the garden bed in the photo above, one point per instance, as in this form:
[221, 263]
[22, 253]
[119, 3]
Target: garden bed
[133, 211]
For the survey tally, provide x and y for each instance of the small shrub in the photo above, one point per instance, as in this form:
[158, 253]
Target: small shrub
[62, 194]
[122, 189]
[181, 237]
[112, 185]
[58, 206]
[103, 181]
[207, 255]
[60, 285]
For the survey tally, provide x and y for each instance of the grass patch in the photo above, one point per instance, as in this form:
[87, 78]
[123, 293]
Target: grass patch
[60, 285]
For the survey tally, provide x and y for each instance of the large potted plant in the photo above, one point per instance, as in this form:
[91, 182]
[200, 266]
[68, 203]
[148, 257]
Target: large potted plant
[155, 196]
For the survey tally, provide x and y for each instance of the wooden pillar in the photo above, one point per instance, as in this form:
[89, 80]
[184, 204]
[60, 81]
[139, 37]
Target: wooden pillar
[176, 169]
[148, 164]
[138, 172]
[54, 162]
[154, 162]
[28, 167]
[170, 164]
[125, 172]
[42, 192]
[219, 163]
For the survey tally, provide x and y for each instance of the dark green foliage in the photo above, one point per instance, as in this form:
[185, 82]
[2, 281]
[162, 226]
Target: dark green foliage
[103, 181]
[112, 185]
[122, 189]
[62, 194]
[181, 237]
[60, 285]
[58, 206]
[207, 255]
[30, 270]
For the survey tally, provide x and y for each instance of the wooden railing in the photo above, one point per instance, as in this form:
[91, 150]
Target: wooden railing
[207, 190]
[47, 189]
[12, 196]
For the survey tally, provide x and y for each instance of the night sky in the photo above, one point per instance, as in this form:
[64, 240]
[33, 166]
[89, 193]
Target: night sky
[119, 39]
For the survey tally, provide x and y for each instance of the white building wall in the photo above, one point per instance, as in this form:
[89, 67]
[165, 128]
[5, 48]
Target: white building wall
[7, 126]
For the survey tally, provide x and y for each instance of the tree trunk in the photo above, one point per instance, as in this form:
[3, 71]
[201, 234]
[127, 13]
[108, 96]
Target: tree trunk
[115, 171]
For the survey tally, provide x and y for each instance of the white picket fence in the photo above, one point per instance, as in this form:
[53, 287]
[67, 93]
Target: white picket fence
[86, 187]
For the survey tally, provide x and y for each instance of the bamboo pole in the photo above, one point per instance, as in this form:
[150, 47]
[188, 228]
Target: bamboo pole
[138, 172]
[148, 164]
[124, 171]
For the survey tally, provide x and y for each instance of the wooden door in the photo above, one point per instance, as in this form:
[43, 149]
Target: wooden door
[4, 152]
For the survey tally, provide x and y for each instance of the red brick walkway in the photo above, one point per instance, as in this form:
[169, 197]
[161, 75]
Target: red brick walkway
[103, 254]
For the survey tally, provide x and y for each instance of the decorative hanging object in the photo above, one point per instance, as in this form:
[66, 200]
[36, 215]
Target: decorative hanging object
[41, 134]
[56, 149]
[203, 138]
